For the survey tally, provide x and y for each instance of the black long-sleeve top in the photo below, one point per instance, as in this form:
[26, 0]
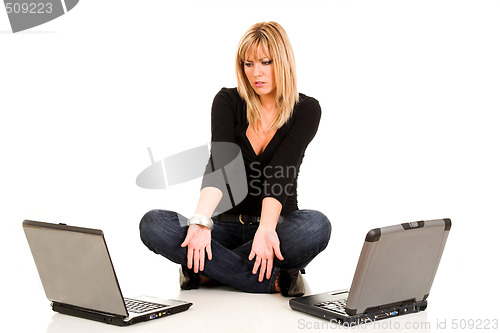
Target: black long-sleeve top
[274, 172]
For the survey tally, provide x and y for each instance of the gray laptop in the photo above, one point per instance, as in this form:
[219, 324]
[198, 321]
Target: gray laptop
[79, 279]
[393, 277]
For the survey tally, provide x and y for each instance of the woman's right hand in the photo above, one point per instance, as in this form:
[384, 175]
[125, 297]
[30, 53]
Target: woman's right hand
[198, 240]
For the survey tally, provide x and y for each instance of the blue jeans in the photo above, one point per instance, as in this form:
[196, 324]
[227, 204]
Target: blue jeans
[303, 235]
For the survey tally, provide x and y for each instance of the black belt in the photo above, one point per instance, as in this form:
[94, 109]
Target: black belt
[242, 219]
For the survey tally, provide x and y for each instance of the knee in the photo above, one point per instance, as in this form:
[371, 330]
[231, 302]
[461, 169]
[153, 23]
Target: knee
[325, 223]
[322, 228]
[153, 223]
[312, 225]
[147, 226]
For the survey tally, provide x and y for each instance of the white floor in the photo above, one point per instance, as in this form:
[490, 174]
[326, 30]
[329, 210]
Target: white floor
[214, 310]
[457, 286]
[223, 310]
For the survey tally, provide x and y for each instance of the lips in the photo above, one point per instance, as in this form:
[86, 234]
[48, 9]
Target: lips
[259, 83]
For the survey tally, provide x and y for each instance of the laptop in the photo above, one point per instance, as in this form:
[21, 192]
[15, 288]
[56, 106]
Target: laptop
[393, 277]
[79, 279]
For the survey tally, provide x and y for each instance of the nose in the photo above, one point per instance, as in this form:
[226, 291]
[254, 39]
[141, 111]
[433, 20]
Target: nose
[257, 70]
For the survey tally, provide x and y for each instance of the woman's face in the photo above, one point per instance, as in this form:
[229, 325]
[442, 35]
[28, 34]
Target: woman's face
[260, 73]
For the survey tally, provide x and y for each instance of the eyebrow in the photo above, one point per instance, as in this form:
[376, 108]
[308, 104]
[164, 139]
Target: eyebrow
[258, 59]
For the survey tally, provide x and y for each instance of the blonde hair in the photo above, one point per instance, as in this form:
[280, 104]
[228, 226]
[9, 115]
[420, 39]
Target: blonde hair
[272, 38]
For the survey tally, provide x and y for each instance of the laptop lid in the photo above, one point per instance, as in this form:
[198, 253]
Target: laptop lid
[75, 267]
[397, 265]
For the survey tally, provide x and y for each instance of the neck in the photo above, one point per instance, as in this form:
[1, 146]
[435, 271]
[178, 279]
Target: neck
[268, 113]
[267, 102]
[268, 110]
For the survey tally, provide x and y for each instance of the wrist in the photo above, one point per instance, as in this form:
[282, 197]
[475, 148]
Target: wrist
[268, 222]
[201, 220]
[267, 226]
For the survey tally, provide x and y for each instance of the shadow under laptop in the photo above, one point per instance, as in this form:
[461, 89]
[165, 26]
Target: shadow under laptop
[61, 323]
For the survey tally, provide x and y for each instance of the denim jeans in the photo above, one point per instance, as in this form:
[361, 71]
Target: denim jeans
[303, 235]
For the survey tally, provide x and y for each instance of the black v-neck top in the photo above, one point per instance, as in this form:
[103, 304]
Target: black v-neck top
[274, 172]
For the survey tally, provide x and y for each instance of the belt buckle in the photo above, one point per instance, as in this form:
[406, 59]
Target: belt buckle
[240, 219]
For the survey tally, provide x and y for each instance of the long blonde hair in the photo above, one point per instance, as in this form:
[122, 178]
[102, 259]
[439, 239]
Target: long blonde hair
[272, 38]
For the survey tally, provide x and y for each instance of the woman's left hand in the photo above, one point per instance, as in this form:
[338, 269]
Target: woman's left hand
[266, 245]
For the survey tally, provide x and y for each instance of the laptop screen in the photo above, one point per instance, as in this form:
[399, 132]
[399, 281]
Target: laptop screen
[397, 264]
[75, 267]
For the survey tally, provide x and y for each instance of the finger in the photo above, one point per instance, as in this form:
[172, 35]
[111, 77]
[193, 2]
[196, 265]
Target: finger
[187, 239]
[269, 269]
[262, 270]
[256, 265]
[277, 253]
[196, 260]
[202, 260]
[209, 252]
[189, 258]
[251, 256]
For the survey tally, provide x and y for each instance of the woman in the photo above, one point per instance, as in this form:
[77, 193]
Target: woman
[263, 243]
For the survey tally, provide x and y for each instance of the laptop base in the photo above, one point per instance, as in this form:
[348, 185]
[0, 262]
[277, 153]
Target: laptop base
[309, 305]
[89, 314]
[118, 320]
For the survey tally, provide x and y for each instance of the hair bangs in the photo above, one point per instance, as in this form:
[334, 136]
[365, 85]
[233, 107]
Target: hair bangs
[251, 47]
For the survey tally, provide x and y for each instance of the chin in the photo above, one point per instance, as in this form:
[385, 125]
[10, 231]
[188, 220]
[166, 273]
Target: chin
[263, 92]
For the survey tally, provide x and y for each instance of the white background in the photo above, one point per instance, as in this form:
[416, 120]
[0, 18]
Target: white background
[410, 96]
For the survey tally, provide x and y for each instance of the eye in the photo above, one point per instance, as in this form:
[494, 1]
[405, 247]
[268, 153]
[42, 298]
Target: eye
[248, 64]
[266, 63]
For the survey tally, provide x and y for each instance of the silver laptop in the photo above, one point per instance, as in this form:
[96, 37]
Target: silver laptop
[393, 277]
[79, 279]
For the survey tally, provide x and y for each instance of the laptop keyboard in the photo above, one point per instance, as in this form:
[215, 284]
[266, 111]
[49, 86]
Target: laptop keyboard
[337, 305]
[134, 305]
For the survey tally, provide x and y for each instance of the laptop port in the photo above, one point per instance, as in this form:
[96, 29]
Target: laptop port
[381, 315]
[394, 313]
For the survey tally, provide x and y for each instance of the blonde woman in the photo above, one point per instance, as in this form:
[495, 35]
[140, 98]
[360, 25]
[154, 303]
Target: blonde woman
[263, 243]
